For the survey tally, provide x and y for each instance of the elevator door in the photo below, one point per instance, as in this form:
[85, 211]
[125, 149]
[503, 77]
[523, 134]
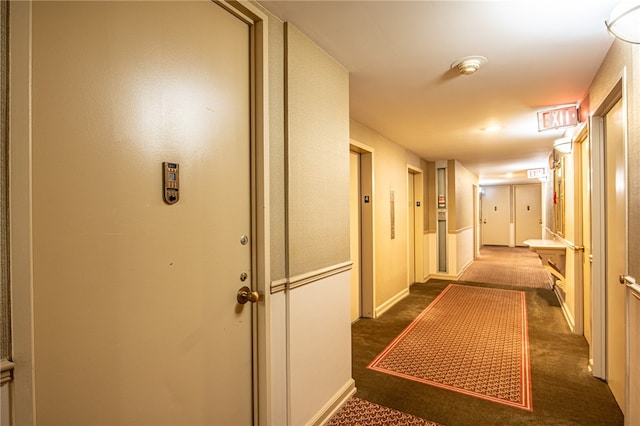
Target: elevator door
[356, 236]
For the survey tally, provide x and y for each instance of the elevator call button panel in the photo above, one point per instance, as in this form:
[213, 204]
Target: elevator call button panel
[171, 182]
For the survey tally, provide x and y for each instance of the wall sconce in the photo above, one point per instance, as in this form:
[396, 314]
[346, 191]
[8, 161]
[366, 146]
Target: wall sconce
[624, 22]
[563, 145]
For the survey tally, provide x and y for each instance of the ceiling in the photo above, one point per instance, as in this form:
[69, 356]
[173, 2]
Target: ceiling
[541, 53]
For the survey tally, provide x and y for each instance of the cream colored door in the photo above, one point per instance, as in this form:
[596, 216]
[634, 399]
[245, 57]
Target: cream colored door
[355, 235]
[528, 212]
[495, 215]
[616, 254]
[135, 314]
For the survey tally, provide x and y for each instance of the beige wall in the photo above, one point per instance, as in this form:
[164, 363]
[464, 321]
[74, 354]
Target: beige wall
[390, 172]
[309, 228]
[317, 224]
[317, 132]
[460, 226]
[464, 181]
[277, 148]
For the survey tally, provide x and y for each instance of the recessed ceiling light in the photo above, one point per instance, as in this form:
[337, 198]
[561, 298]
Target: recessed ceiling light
[469, 64]
[492, 128]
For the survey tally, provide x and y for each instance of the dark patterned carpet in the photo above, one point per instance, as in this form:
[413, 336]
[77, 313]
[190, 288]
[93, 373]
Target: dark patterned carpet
[471, 340]
[514, 266]
[364, 413]
[564, 391]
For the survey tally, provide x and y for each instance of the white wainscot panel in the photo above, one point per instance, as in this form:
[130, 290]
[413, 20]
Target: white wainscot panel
[464, 249]
[319, 347]
[277, 369]
[5, 405]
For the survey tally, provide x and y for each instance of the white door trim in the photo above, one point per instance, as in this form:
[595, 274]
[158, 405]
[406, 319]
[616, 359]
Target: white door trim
[259, 30]
[367, 228]
[599, 305]
[418, 225]
[20, 204]
[598, 222]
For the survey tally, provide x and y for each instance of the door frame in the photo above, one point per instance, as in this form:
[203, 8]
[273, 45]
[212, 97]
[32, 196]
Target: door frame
[580, 263]
[598, 222]
[416, 174]
[20, 205]
[477, 206]
[355, 233]
[367, 230]
[583, 143]
[257, 21]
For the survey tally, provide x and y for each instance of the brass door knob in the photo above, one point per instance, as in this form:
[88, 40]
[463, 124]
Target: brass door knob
[246, 295]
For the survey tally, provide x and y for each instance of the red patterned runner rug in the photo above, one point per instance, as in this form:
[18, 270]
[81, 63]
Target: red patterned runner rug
[364, 413]
[472, 340]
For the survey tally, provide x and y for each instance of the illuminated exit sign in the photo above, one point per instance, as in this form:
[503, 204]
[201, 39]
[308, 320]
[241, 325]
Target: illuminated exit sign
[557, 118]
[536, 173]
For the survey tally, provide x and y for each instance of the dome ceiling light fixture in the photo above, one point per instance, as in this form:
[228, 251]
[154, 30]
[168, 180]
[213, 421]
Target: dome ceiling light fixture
[624, 22]
[469, 64]
[563, 145]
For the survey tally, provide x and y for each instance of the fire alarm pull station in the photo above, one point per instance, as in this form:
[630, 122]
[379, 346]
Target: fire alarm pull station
[171, 182]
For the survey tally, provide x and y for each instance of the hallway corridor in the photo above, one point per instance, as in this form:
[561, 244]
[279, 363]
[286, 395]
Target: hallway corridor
[516, 266]
[564, 391]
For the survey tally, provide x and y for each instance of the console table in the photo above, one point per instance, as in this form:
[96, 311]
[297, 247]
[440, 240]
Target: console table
[552, 253]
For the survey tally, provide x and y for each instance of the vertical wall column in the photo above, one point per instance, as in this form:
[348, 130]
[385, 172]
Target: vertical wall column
[318, 311]
[441, 181]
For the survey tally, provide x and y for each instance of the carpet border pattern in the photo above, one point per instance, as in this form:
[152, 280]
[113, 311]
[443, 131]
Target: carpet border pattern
[507, 381]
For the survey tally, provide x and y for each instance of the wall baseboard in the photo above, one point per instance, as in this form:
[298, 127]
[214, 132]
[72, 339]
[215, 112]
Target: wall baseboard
[565, 310]
[389, 303]
[441, 277]
[334, 404]
[464, 268]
